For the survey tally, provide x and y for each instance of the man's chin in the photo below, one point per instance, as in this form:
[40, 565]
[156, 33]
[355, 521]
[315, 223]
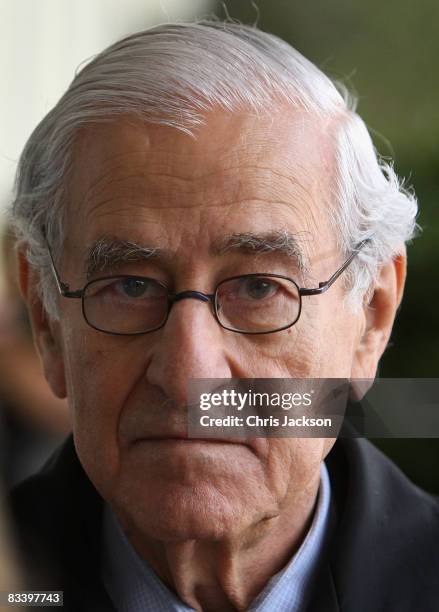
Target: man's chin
[200, 512]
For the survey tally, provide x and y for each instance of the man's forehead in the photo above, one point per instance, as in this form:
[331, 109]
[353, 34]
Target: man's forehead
[127, 171]
[292, 143]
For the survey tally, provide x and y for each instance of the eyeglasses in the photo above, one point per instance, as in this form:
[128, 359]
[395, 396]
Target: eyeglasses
[246, 304]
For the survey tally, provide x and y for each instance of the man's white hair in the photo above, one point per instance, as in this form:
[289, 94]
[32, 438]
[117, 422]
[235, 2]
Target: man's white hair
[173, 75]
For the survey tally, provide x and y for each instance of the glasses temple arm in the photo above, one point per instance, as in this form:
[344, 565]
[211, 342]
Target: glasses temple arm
[63, 288]
[324, 285]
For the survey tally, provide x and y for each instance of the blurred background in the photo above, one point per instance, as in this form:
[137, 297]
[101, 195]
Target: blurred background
[386, 52]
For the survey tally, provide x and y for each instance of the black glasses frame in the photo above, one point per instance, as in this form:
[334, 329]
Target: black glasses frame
[65, 291]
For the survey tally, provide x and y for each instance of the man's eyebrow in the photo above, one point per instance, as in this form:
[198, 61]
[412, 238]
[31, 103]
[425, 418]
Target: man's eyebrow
[106, 253]
[278, 241]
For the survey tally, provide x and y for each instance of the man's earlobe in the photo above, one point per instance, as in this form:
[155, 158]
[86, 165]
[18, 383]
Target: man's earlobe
[379, 313]
[45, 330]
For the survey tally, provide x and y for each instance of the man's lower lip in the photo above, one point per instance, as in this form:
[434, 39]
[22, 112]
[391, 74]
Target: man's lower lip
[175, 443]
[188, 440]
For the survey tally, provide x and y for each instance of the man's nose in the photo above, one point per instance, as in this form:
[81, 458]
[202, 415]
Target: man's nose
[190, 345]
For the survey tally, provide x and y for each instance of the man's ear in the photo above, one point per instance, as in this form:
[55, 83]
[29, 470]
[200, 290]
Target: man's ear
[45, 330]
[378, 316]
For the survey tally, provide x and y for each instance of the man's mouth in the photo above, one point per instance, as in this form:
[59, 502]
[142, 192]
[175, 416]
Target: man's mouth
[185, 438]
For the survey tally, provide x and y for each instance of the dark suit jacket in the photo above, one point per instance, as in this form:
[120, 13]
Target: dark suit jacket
[382, 554]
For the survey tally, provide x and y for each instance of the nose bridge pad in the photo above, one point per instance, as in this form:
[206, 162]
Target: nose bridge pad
[196, 295]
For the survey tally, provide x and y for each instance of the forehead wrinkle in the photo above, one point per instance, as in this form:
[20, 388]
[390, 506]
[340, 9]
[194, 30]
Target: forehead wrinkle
[220, 172]
[91, 199]
[305, 198]
[88, 144]
[284, 175]
[146, 191]
[265, 182]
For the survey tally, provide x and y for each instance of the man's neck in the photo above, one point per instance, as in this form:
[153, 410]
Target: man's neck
[229, 574]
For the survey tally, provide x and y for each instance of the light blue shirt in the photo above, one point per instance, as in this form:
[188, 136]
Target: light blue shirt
[134, 587]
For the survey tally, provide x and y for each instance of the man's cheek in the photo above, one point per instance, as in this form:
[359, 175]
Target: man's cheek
[289, 353]
[95, 391]
[96, 408]
[292, 465]
[303, 358]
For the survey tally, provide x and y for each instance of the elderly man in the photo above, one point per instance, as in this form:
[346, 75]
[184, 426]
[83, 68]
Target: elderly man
[195, 189]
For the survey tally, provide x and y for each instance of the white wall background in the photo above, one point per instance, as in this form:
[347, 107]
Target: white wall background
[42, 42]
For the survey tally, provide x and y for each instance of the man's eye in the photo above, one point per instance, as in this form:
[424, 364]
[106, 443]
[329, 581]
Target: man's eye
[124, 288]
[134, 287]
[257, 288]
[138, 288]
